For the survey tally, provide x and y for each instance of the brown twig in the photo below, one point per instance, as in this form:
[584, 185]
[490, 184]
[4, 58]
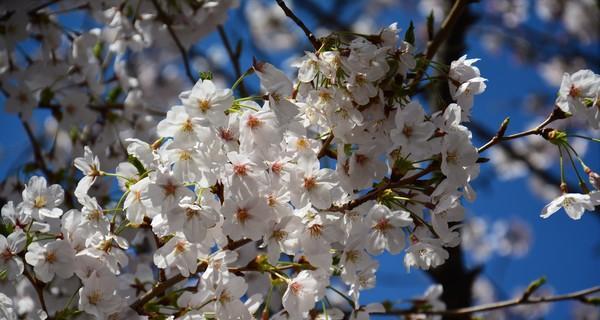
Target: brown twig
[39, 289]
[164, 18]
[578, 295]
[311, 37]
[556, 114]
[373, 194]
[325, 146]
[234, 57]
[37, 150]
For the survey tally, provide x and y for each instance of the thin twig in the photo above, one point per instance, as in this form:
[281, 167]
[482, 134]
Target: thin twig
[311, 37]
[39, 289]
[373, 194]
[234, 57]
[186, 61]
[37, 150]
[578, 295]
[556, 114]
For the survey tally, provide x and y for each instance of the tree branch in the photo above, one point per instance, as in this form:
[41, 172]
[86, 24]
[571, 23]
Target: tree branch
[439, 38]
[162, 286]
[577, 295]
[374, 193]
[37, 150]
[325, 146]
[39, 289]
[234, 57]
[556, 114]
[311, 37]
[167, 21]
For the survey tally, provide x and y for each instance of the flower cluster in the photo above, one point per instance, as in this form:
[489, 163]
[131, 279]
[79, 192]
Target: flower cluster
[87, 78]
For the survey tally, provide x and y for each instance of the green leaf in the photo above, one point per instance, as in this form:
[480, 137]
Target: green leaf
[430, 25]
[410, 34]
[114, 94]
[591, 300]
[533, 286]
[205, 75]
[3, 274]
[137, 164]
[348, 149]
[557, 137]
[6, 229]
[68, 313]
[46, 96]
[97, 50]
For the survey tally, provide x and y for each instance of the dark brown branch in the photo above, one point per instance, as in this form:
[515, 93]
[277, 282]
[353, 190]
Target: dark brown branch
[548, 178]
[373, 194]
[464, 312]
[439, 38]
[311, 37]
[39, 289]
[556, 114]
[37, 151]
[164, 18]
[234, 57]
[325, 146]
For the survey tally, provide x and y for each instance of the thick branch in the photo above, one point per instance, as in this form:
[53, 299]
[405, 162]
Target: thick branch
[578, 295]
[311, 37]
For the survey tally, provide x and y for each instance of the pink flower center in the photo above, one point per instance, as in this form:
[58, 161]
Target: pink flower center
[296, 288]
[310, 183]
[253, 122]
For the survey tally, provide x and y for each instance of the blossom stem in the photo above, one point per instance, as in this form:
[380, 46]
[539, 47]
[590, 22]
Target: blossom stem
[584, 137]
[562, 169]
[116, 209]
[581, 181]
[72, 297]
[239, 81]
[577, 155]
[116, 175]
[265, 311]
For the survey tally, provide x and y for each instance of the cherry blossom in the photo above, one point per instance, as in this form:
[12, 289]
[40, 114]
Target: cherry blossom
[53, 258]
